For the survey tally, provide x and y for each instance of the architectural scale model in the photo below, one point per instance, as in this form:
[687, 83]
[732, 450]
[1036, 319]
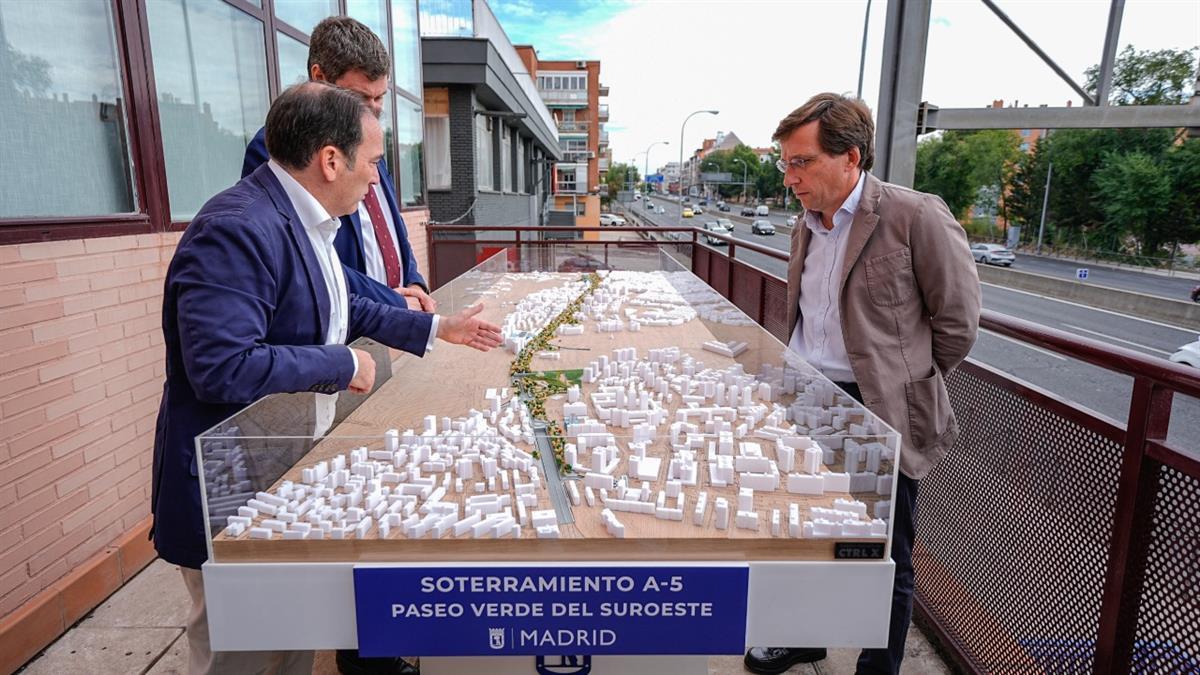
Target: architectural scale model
[626, 405]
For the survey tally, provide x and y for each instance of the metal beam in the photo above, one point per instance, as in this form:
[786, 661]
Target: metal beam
[1115, 11]
[1107, 117]
[1087, 100]
[906, 35]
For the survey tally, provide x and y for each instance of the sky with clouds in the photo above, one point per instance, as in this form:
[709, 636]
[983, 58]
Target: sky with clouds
[756, 60]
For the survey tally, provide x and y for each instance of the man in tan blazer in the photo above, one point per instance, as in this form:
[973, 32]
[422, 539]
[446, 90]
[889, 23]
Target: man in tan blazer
[884, 299]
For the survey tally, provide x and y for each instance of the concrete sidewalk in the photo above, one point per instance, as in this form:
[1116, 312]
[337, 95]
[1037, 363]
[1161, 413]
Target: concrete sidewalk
[139, 629]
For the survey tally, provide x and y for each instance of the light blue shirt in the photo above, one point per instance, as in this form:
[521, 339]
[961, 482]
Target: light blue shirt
[818, 334]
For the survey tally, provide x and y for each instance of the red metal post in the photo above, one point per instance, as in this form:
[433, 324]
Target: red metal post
[1149, 418]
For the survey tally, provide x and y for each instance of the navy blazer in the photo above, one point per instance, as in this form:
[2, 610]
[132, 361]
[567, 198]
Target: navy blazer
[245, 314]
[349, 237]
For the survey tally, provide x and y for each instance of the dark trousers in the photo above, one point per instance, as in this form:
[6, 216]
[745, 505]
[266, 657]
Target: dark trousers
[904, 521]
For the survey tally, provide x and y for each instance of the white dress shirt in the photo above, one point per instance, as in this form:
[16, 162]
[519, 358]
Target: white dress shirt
[371, 253]
[321, 229]
[818, 334]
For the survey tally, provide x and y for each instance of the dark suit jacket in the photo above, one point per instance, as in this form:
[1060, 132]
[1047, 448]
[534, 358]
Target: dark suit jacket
[349, 237]
[910, 302]
[245, 314]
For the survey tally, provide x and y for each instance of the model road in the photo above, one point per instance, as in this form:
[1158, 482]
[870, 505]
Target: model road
[1093, 387]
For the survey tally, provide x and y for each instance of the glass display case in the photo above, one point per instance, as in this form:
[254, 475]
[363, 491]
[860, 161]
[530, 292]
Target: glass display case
[633, 416]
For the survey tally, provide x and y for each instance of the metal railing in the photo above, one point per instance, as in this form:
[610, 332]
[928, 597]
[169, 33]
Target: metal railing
[574, 96]
[573, 126]
[1050, 538]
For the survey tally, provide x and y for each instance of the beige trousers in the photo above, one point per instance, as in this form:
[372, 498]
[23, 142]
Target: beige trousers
[204, 661]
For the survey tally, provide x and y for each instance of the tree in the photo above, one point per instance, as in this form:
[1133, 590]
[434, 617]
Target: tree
[1181, 222]
[1162, 77]
[1133, 189]
[941, 171]
[770, 181]
[621, 177]
[964, 166]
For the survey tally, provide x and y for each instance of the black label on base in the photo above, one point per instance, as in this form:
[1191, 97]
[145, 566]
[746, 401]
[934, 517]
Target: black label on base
[858, 550]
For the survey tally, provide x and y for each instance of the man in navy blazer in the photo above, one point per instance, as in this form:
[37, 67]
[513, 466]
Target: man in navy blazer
[255, 304]
[345, 52]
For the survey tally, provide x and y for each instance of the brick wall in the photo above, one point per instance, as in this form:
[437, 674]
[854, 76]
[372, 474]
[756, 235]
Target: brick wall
[81, 371]
[445, 205]
[81, 368]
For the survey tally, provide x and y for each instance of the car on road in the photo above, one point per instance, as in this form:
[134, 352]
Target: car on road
[992, 254]
[723, 207]
[1188, 355]
[762, 211]
[762, 227]
[713, 226]
[697, 209]
[662, 209]
[687, 213]
[611, 219]
[703, 202]
[725, 223]
[791, 221]
[747, 211]
[637, 196]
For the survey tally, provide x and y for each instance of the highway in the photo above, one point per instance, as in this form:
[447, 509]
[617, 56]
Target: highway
[1104, 392]
[1172, 287]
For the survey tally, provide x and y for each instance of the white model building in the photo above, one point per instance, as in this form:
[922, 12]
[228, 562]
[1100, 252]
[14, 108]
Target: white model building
[643, 430]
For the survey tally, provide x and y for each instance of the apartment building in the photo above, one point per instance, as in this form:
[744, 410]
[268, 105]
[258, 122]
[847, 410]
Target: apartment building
[572, 92]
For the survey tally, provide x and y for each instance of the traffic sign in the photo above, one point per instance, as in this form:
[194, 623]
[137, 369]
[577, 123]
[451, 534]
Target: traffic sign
[1081, 274]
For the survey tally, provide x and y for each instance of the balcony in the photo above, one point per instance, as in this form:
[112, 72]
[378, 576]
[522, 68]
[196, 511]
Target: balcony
[603, 164]
[603, 138]
[577, 156]
[573, 127]
[604, 90]
[571, 187]
[603, 112]
[572, 98]
[1075, 551]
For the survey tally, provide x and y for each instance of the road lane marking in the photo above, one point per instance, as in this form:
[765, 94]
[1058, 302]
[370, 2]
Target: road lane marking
[1094, 309]
[1113, 337]
[1023, 344]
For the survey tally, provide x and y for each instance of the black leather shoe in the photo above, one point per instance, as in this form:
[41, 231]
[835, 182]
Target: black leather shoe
[772, 660]
[350, 663]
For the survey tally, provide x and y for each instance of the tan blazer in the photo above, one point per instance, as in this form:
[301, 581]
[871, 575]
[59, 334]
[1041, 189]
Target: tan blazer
[910, 310]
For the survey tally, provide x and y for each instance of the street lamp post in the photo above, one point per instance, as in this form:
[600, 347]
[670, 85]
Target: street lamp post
[743, 178]
[679, 217]
[647, 170]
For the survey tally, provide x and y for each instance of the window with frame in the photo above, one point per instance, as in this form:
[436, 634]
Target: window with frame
[505, 159]
[437, 139]
[483, 153]
[63, 102]
[210, 103]
[520, 182]
[410, 132]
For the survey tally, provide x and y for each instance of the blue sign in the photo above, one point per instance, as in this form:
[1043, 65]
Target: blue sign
[511, 611]
[654, 178]
[1081, 274]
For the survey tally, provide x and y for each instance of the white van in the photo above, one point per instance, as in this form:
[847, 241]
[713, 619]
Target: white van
[762, 211]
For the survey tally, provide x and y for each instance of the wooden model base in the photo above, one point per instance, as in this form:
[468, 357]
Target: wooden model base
[451, 385]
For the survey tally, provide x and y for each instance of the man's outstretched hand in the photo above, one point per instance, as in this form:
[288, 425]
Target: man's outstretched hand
[466, 328]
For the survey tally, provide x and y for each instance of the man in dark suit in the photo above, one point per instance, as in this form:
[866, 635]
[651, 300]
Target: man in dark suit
[373, 241]
[255, 303]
